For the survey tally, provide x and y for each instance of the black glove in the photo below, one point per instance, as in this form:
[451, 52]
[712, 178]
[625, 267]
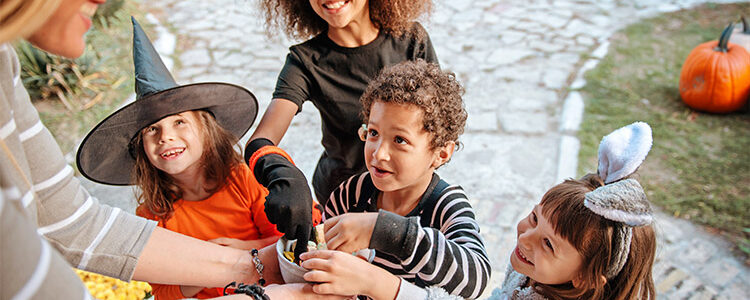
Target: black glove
[289, 202]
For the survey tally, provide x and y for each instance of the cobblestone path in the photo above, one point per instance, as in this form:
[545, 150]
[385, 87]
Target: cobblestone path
[520, 62]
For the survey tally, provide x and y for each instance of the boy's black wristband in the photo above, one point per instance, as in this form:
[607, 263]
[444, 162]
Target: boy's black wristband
[254, 145]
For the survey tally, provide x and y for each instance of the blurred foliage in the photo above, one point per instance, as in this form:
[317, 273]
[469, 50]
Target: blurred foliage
[108, 12]
[72, 95]
[77, 83]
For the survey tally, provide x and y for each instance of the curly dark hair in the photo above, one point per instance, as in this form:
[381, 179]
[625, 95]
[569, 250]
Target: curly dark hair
[299, 20]
[435, 92]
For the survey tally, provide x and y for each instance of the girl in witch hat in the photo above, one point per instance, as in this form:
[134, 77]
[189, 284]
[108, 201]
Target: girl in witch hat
[350, 42]
[590, 238]
[177, 144]
[49, 223]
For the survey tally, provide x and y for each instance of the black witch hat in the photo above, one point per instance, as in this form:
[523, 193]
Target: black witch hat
[104, 155]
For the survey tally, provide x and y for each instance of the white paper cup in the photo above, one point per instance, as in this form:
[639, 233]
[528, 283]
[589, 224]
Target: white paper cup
[291, 272]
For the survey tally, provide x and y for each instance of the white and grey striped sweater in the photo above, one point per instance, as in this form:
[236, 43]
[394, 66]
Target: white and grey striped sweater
[39, 197]
[436, 244]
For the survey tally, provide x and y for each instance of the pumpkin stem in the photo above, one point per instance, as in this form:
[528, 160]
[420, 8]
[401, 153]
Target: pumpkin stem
[745, 29]
[724, 39]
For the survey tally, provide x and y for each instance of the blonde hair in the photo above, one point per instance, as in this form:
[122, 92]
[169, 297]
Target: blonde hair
[21, 18]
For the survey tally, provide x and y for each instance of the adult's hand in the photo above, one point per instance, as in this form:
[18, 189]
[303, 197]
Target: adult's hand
[301, 291]
[245, 245]
[297, 291]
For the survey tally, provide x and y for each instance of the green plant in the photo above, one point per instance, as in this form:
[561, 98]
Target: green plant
[744, 243]
[108, 55]
[76, 83]
[108, 11]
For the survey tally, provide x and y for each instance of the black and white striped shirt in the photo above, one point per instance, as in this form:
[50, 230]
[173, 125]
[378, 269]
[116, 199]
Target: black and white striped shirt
[436, 244]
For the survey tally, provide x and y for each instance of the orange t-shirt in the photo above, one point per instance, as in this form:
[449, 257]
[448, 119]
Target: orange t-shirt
[234, 211]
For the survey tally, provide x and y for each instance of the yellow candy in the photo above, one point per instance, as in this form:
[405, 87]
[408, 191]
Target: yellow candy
[289, 255]
[108, 288]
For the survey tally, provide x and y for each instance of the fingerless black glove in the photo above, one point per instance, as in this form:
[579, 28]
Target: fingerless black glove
[289, 202]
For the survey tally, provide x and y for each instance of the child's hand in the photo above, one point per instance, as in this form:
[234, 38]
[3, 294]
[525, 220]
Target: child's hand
[350, 232]
[341, 273]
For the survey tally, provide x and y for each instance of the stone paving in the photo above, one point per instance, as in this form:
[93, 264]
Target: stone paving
[521, 63]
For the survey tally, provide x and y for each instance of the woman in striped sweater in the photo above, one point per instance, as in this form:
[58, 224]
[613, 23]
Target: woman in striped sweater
[48, 222]
[422, 230]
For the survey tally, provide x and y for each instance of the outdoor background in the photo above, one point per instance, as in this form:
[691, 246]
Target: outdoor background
[544, 80]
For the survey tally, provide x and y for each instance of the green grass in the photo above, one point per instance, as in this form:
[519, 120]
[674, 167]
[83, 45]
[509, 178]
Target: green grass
[111, 44]
[699, 166]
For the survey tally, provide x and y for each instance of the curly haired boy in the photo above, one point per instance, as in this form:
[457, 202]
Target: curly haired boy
[350, 42]
[422, 230]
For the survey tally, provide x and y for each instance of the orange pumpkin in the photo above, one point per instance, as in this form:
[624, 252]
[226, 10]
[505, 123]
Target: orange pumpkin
[716, 76]
[741, 36]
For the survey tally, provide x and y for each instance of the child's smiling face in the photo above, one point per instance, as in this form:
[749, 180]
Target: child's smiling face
[174, 144]
[398, 154]
[340, 13]
[543, 255]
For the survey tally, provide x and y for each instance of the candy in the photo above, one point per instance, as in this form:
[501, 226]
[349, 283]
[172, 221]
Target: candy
[289, 255]
[103, 287]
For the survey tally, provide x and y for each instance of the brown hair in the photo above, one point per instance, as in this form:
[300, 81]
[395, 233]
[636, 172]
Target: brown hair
[424, 85]
[219, 158]
[298, 19]
[591, 235]
[21, 18]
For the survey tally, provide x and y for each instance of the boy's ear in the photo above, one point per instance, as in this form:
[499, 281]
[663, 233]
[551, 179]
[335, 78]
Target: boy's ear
[443, 154]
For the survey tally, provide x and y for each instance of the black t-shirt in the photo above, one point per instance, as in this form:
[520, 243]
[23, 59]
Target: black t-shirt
[333, 78]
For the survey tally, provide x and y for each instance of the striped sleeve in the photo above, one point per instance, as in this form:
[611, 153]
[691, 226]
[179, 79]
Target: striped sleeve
[345, 197]
[29, 267]
[449, 253]
[90, 236]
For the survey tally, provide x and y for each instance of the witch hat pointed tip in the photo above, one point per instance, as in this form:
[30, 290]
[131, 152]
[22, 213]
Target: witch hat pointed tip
[135, 22]
[136, 25]
[151, 75]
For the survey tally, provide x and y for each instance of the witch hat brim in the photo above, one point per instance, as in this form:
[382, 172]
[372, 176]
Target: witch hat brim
[104, 156]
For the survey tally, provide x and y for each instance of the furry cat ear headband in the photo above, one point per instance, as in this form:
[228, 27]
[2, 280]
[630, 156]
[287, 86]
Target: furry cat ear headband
[623, 201]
